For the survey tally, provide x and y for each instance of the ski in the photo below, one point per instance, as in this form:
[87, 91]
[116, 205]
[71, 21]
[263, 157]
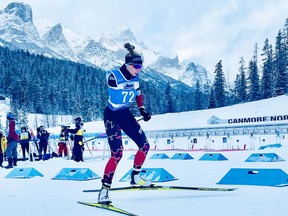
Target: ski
[164, 187]
[108, 207]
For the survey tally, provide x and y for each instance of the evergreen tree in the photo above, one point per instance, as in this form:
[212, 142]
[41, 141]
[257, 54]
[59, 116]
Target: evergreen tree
[253, 82]
[280, 63]
[267, 71]
[198, 104]
[212, 100]
[285, 32]
[168, 98]
[206, 94]
[240, 84]
[219, 85]
[253, 78]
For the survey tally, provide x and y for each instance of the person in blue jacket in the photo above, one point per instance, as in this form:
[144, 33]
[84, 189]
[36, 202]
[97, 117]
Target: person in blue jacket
[123, 90]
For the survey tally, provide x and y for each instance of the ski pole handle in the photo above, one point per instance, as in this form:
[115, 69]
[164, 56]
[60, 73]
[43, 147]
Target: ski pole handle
[140, 119]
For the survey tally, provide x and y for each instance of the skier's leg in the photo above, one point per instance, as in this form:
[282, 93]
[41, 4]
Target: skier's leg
[132, 128]
[114, 137]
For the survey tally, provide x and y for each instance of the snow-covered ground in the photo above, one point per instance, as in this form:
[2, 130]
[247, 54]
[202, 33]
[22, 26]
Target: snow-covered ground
[44, 196]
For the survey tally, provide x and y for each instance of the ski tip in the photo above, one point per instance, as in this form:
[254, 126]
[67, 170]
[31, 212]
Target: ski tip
[281, 185]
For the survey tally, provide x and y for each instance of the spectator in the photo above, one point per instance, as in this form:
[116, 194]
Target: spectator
[12, 138]
[3, 146]
[63, 139]
[24, 138]
[43, 137]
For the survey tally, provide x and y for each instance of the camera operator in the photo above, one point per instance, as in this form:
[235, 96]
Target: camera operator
[78, 148]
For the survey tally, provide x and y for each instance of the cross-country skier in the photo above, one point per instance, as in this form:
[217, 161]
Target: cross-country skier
[123, 89]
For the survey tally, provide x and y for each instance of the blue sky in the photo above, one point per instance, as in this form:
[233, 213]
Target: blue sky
[204, 31]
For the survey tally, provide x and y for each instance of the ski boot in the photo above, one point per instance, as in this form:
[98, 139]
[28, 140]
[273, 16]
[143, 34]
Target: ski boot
[15, 161]
[136, 179]
[10, 164]
[103, 196]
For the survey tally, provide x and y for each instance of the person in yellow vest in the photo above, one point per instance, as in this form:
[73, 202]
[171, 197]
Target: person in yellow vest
[3, 146]
[78, 147]
[24, 138]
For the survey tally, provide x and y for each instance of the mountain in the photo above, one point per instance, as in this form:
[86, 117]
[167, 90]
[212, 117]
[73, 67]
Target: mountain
[17, 27]
[187, 73]
[56, 41]
[18, 30]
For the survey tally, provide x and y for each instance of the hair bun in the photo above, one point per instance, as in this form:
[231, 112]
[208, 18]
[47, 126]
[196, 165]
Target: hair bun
[132, 57]
[129, 47]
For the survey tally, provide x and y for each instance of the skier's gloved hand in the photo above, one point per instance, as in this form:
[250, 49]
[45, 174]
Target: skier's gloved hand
[145, 114]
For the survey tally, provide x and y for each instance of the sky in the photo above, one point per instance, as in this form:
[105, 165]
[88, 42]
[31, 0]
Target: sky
[45, 196]
[204, 31]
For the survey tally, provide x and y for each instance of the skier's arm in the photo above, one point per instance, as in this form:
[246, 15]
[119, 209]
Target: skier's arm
[140, 102]
[74, 131]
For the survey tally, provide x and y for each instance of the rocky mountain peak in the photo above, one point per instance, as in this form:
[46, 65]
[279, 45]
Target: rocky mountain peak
[123, 35]
[166, 62]
[55, 34]
[18, 31]
[20, 10]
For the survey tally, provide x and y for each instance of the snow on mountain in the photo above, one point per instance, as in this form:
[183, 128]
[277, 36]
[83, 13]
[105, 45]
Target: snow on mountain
[169, 66]
[75, 41]
[186, 72]
[17, 30]
[114, 41]
[98, 55]
[193, 73]
[43, 25]
[55, 40]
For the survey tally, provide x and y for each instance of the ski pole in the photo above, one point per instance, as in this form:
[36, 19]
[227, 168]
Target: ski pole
[88, 148]
[90, 139]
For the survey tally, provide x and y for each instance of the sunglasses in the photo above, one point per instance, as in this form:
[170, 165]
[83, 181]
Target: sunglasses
[137, 66]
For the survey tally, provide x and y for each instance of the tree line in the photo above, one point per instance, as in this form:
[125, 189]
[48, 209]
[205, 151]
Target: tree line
[254, 82]
[42, 85]
[38, 84]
